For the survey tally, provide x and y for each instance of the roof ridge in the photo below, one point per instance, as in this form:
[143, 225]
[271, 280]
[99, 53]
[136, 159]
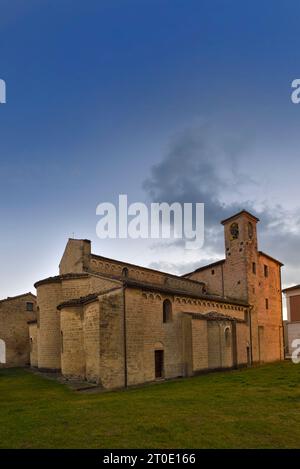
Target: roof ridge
[9, 298]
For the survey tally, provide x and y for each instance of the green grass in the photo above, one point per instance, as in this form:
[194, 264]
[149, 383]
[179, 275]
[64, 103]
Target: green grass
[254, 408]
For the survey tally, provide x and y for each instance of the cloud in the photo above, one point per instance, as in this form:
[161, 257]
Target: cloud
[201, 165]
[204, 164]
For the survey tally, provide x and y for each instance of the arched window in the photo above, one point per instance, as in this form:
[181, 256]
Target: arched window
[125, 272]
[234, 231]
[227, 333]
[167, 311]
[2, 351]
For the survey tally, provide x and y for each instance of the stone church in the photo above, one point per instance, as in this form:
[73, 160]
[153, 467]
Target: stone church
[119, 324]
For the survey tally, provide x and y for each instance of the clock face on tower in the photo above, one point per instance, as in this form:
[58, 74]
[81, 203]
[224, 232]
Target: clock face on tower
[234, 231]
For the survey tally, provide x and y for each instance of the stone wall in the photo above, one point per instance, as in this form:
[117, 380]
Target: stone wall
[117, 269]
[199, 345]
[52, 292]
[91, 327]
[33, 344]
[14, 330]
[76, 257]
[112, 347]
[242, 276]
[73, 361]
[212, 277]
[266, 315]
[48, 333]
[92, 340]
[147, 332]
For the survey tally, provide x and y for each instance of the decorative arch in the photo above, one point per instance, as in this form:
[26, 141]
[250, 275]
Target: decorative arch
[158, 346]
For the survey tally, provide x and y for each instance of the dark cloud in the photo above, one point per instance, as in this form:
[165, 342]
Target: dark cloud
[205, 165]
[201, 166]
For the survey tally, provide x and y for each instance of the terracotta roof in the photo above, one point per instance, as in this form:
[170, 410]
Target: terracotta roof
[204, 267]
[294, 287]
[242, 212]
[9, 298]
[214, 316]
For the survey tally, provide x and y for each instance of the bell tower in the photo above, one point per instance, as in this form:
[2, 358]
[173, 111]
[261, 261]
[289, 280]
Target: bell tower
[240, 232]
[240, 235]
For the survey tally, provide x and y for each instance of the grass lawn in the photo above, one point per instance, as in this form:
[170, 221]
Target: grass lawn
[250, 408]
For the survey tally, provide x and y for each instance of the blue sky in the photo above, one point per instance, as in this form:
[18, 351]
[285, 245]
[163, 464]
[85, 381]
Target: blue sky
[100, 92]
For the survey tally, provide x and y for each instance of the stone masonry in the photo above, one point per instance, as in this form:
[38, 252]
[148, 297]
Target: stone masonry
[119, 324]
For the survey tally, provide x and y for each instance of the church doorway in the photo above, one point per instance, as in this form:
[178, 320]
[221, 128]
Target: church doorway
[159, 364]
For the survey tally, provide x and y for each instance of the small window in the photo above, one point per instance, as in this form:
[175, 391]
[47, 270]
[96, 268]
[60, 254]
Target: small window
[266, 271]
[61, 341]
[254, 268]
[227, 337]
[31, 344]
[167, 311]
[29, 306]
[267, 303]
[212, 271]
[125, 272]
